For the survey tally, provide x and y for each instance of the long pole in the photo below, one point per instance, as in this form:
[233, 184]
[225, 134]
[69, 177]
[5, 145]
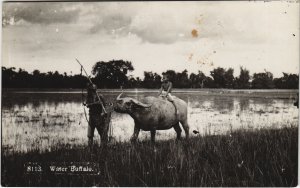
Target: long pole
[92, 83]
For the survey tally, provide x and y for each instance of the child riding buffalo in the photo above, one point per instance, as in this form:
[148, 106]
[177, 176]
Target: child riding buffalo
[166, 89]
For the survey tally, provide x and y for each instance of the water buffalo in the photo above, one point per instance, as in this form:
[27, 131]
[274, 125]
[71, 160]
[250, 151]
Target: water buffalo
[154, 113]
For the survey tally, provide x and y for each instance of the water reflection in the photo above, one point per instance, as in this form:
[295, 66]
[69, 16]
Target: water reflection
[40, 121]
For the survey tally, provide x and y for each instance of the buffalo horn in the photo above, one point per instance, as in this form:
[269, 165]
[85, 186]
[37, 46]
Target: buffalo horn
[119, 97]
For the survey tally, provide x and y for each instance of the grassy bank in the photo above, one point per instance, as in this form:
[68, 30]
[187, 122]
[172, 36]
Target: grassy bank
[264, 158]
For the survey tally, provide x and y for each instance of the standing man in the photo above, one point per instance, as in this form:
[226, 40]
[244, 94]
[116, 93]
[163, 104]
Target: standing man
[98, 117]
[166, 89]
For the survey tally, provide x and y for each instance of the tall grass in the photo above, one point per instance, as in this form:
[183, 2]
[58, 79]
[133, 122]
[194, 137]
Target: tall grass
[243, 158]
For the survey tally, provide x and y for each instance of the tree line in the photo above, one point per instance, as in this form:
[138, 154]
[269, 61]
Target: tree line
[115, 73]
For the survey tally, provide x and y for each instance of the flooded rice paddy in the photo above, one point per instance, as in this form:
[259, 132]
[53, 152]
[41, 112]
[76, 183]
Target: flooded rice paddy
[41, 120]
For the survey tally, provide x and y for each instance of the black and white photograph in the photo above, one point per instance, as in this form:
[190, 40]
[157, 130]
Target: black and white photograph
[150, 94]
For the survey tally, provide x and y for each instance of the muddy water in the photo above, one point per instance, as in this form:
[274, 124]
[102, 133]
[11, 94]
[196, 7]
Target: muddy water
[33, 120]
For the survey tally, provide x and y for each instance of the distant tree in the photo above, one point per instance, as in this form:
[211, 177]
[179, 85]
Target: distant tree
[262, 80]
[112, 74]
[242, 82]
[37, 79]
[171, 74]
[23, 79]
[36, 73]
[8, 77]
[179, 79]
[194, 81]
[157, 80]
[229, 78]
[57, 80]
[223, 78]
[209, 82]
[78, 81]
[182, 80]
[218, 76]
[138, 82]
[148, 80]
[288, 81]
[151, 80]
[279, 83]
[197, 80]
[133, 82]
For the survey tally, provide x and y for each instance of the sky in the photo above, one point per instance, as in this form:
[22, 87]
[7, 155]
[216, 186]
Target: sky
[154, 36]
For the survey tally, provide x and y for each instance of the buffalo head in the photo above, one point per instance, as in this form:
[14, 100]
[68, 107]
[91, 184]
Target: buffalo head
[127, 104]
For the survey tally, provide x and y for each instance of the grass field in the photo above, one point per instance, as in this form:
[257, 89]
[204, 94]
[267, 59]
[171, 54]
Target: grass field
[243, 158]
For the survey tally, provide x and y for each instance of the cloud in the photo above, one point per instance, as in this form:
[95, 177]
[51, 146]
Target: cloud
[151, 22]
[157, 28]
[111, 23]
[39, 13]
[158, 22]
[161, 23]
[108, 17]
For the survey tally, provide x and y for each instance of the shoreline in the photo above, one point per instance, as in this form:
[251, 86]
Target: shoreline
[252, 93]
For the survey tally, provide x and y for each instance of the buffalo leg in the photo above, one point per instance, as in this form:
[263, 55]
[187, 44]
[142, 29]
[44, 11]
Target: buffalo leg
[135, 134]
[153, 132]
[178, 130]
[186, 128]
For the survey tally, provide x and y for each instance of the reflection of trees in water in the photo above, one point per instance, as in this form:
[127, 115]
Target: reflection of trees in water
[9, 100]
[264, 104]
[198, 102]
[287, 101]
[223, 104]
[22, 99]
[244, 103]
[269, 105]
[216, 103]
